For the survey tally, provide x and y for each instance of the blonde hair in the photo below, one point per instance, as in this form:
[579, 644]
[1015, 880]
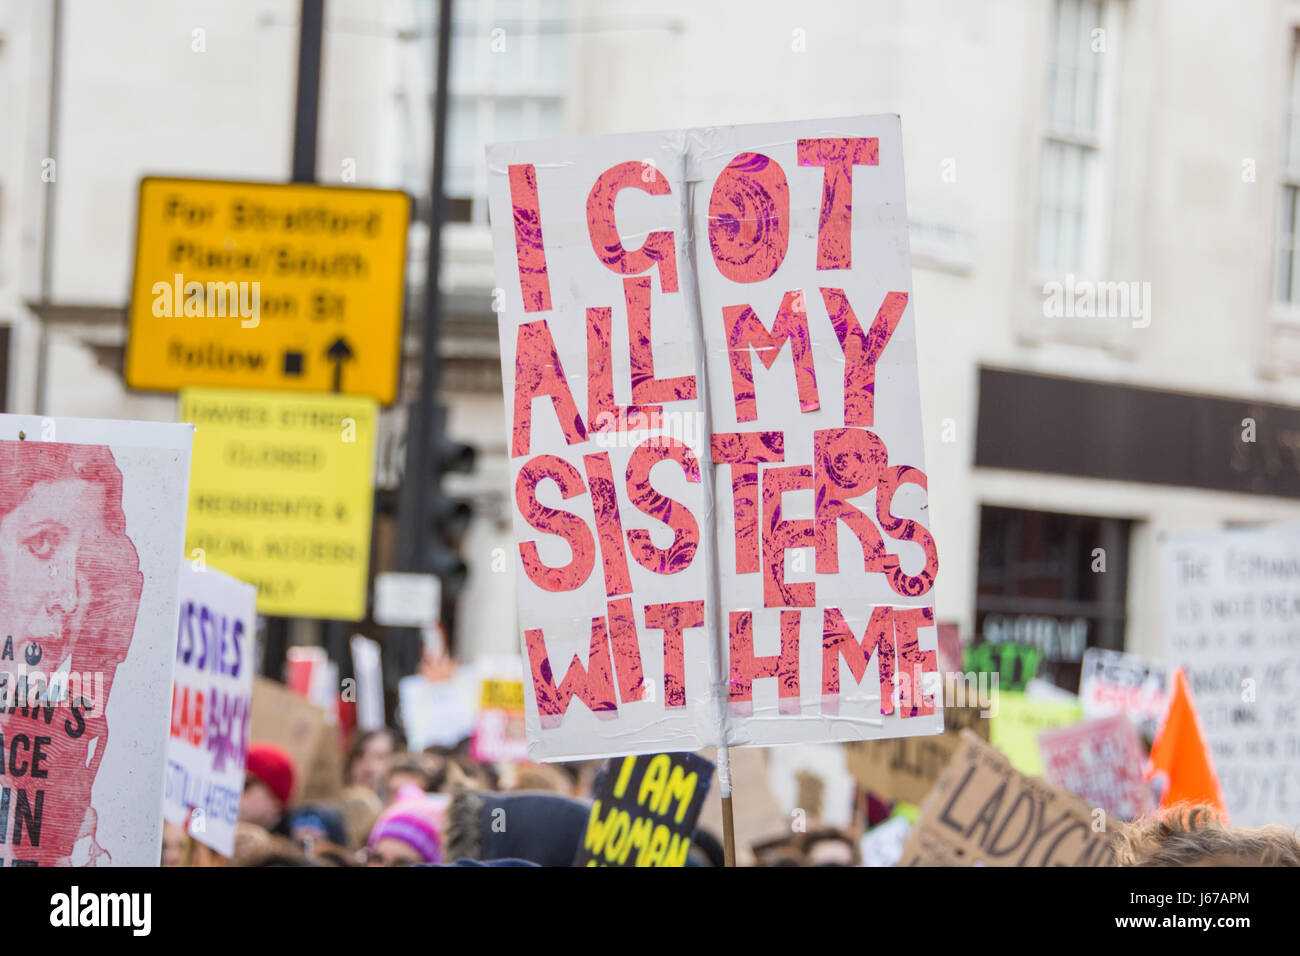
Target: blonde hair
[1197, 836]
[360, 807]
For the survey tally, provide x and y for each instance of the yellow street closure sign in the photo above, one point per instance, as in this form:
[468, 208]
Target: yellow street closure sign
[502, 695]
[281, 494]
[267, 286]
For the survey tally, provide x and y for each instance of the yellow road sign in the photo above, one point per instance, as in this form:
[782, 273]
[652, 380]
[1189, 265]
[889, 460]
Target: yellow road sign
[267, 286]
[502, 695]
[281, 495]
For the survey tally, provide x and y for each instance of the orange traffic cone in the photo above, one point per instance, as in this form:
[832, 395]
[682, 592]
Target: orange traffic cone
[1180, 754]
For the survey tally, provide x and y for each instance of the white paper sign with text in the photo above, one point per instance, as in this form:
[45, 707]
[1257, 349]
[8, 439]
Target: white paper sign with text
[212, 700]
[713, 415]
[1232, 619]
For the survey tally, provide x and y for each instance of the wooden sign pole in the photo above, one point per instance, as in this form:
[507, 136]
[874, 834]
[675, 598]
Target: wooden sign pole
[728, 824]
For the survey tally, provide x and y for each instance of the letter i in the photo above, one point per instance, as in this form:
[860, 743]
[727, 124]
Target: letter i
[530, 252]
[624, 776]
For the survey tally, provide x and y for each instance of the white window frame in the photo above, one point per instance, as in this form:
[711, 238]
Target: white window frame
[485, 94]
[1094, 258]
[1287, 310]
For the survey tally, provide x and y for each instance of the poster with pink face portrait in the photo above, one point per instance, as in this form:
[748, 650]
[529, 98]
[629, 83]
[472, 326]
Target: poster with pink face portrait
[714, 429]
[92, 521]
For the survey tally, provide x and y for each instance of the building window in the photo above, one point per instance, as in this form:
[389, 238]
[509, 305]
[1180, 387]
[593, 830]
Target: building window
[1288, 214]
[1040, 584]
[1080, 92]
[508, 76]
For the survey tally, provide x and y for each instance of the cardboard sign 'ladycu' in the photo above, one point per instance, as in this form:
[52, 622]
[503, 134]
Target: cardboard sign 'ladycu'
[983, 812]
[713, 421]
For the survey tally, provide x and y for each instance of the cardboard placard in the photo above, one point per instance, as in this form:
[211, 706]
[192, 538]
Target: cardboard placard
[757, 815]
[1101, 762]
[716, 453]
[644, 810]
[295, 724]
[906, 769]
[92, 520]
[984, 812]
[212, 703]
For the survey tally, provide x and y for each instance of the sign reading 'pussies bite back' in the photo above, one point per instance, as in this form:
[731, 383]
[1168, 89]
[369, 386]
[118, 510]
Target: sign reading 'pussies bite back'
[713, 421]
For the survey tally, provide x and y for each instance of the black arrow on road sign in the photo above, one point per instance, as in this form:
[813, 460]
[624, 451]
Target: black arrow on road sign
[338, 353]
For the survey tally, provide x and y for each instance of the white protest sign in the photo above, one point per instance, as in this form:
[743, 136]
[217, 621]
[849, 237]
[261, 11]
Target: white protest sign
[406, 600]
[713, 413]
[882, 845]
[212, 701]
[1113, 682]
[92, 523]
[437, 713]
[370, 683]
[1232, 603]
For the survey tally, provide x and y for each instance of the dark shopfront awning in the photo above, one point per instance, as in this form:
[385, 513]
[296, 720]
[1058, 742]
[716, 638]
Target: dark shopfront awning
[1067, 426]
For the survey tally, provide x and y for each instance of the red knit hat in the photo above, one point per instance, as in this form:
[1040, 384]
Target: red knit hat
[271, 765]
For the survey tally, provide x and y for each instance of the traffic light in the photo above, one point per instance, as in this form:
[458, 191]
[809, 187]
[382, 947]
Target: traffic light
[449, 517]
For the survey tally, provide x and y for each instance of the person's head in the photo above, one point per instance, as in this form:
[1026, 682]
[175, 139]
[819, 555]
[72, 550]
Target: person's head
[538, 776]
[777, 851]
[273, 851]
[707, 848]
[368, 756]
[360, 807]
[331, 854]
[249, 839]
[316, 824]
[1196, 836]
[464, 771]
[542, 828]
[173, 845]
[70, 578]
[268, 785]
[418, 770]
[409, 831]
[829, 847]
[587, 771]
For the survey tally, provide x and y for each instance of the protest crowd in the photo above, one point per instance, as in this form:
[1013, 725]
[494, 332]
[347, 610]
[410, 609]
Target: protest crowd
[394, 806]
[758, 387]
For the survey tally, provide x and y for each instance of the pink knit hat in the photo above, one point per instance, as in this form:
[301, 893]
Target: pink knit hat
[416, 818]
